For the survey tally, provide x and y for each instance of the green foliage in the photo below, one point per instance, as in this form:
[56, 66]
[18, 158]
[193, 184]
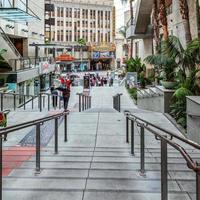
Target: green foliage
[133, 93]
[178, 107]
[82, 42]
[163, 64]
[135, 65]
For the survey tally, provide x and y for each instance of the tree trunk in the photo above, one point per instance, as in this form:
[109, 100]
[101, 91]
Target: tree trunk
[184, 10]
[132, 18]
[163, 19]
[156, 25]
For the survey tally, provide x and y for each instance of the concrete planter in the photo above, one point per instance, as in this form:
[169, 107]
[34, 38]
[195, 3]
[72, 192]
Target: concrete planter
[169, 84]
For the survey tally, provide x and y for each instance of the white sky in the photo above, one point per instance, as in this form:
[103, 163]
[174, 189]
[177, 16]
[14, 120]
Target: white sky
[120, 13]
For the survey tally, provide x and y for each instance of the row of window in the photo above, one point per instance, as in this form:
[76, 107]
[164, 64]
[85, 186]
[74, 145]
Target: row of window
[68, 36]
[84, 24]
[85, 13]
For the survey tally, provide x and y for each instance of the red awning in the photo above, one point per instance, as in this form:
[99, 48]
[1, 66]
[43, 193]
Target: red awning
[65, 57]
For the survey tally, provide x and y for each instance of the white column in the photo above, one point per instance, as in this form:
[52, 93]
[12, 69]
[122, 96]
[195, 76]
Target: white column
[72, 24]
[103, 26]
[111, 26]
[96, 28]
[81, 24]
[89, 28]
[56, 28]
[64, 24]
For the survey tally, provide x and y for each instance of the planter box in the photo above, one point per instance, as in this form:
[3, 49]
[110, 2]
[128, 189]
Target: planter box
[193, 118]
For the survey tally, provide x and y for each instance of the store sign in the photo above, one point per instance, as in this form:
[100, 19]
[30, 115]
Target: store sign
[105, 54]
[44, 67]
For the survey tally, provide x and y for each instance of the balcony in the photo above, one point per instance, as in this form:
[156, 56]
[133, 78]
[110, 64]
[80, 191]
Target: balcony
[140, 28]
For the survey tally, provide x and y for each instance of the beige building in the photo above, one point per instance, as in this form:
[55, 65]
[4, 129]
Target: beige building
[22, 25]
[142, 30]
[68, 21]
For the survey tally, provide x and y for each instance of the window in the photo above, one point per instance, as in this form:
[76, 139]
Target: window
[58, 35]
[67, 36]
[62, 12]
[58, 11]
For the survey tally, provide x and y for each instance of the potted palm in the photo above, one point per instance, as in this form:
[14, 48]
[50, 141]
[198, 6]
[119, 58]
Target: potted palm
[167, 67]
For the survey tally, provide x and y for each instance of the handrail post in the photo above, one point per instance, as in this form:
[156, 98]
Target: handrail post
[164, 176]
[79, 101]
[127, 129]
[32, 99]
[83, 102]
[43, 98]
[142, 151]
[14, 98]
[132, 137]
[40, 102]
[56, 135]
[119, 103]
[1, 167]
[197, 185]
[59, 102]
[24, 102]
[65, 127]
[38, 148]
[48, 102]
[1, 101]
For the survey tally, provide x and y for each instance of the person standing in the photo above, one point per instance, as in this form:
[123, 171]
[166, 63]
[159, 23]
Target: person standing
[54, 94]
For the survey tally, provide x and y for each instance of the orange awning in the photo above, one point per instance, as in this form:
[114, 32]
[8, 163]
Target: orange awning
[65, 57]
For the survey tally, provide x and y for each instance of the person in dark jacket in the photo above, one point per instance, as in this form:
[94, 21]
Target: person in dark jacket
[66, 95]
[54, 93]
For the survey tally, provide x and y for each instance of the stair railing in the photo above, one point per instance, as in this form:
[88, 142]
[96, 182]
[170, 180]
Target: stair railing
[166, 138]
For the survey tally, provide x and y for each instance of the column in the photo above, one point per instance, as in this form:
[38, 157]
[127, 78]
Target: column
[72, 24]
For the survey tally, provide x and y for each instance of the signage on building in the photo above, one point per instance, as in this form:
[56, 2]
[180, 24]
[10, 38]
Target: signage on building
[103, 47]
[44, 67]
[105, 54]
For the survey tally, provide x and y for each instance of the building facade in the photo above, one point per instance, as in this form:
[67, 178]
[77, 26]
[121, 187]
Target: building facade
[69, 21]
[142, 30]
[22, 25]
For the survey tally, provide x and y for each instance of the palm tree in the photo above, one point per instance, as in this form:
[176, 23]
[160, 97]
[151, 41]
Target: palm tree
[184, 10]
[82, 43]
[163, 19]
[156, 25]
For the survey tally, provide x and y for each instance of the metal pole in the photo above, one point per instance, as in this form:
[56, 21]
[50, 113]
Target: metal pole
[38, 148]
[79, 102]
[65, 127]
[142, 151]
[32, 102]
[1, 101]
[24, 102]
[127, 129]
[119, 103]
[43, 101]
[90, 101]
[48, 102]
[40, 102]
[132, 137]
[197, 186]
[164, 177]
[56, 135]
[82, 102]
[14, 96]
[1, 167]
[85, 102]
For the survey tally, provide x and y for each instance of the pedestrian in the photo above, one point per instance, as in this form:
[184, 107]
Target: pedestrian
[54, 94]
[65, 95]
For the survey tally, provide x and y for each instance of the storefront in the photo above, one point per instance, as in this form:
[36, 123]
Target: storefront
[102, 56]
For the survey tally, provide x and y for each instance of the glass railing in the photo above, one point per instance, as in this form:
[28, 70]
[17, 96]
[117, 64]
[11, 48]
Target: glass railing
[28, 63]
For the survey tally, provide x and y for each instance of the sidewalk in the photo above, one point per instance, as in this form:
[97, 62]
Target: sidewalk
[96, 164]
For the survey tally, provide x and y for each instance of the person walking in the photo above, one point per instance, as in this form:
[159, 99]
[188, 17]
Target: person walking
[65, 95]
[54, 94]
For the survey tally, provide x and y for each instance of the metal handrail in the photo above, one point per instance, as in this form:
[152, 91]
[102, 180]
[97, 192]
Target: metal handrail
[84, 101]
[166, 138]
[187, 141]
[37, 123]
[9, 42]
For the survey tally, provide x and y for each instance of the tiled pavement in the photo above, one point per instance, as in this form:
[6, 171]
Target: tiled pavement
[96, 164]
